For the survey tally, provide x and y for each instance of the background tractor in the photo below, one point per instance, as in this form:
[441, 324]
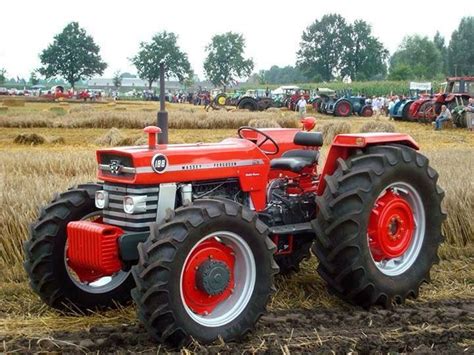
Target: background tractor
[457, 92]
[344, 104]
[255, 100]
[195, 233]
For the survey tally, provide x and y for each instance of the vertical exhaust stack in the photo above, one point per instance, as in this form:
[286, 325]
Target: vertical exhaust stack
[162, 118]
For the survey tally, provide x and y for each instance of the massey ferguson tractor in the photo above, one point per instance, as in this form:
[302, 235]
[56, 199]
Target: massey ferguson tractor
[195, 233]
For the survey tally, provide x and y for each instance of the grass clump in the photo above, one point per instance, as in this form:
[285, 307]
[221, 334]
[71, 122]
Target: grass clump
[14, 102]
[29, 139]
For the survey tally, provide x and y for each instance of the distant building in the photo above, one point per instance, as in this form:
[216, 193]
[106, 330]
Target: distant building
[130, 83]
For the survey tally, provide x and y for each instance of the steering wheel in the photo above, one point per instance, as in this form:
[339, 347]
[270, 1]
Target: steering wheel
[267, 138]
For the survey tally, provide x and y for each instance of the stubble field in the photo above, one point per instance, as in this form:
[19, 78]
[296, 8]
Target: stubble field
[303, 315]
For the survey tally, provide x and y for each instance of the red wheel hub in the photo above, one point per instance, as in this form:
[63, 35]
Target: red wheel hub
[195, 297]
[344, 108]
[391, 227]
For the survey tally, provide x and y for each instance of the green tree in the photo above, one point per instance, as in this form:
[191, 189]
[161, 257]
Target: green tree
[225, 60]
[420, 55]
[439, 42]
[461, 48]
[162, 47]
[117, 79]
[3, 78]
[33, 78]
[364, 56]
[73, 55]
[322, 47]
[284, 75]
[400, 72]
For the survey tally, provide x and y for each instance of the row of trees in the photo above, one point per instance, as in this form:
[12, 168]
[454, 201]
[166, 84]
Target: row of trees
[330, 48]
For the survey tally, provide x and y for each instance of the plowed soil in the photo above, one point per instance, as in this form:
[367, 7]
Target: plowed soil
[438, 327]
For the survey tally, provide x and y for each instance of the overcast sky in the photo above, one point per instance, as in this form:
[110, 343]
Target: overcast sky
[272, 29]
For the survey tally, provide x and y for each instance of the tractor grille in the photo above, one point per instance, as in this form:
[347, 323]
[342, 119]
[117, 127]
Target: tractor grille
[137, 222]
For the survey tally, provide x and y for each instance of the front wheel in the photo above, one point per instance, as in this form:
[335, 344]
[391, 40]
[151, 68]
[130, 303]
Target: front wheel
[57, 283]
[379, 225]
[207, 273]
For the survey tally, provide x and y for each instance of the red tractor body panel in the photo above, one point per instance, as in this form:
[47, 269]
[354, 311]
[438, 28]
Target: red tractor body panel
[231, 158]
[344, 143]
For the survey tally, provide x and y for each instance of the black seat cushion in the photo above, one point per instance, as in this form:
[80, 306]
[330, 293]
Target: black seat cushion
[311, 155]
[293, 164]
[313, 139]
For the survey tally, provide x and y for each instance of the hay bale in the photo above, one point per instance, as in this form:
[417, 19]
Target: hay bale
[113, 137]
[377, 126]
[264, 123]
[14, 102]
[120, 108]
[29, 139]
[59, 111]
[273, 110]
[148, 109]
[64, 104]
[332, 129]
[56, 140]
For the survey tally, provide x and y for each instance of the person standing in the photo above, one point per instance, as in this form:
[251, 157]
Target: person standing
[301, 106]
[444, 115]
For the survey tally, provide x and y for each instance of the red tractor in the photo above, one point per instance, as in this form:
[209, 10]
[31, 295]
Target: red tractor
[457, 92]
[195, 233]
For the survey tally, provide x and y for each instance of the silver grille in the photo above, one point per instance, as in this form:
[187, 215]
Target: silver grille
[114, 214]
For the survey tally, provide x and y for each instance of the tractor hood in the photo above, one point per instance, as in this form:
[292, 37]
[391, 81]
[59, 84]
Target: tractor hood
[181, 162]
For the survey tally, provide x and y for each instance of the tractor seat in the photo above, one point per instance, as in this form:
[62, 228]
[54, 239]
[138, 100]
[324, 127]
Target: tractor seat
[292, 164]
[311, 139]
[311, 155]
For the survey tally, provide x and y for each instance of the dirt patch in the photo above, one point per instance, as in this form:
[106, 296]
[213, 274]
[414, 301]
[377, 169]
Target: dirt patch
[439, 327]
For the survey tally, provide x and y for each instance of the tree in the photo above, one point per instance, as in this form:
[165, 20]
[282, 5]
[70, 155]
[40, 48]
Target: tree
[400, 72]
[3, 78]
[162, 47]
[439, 42]
[323, 45]
[117, 79]
[461, 48]
[33, 78]
[285, 75]
[225, 61]
[73, 55]
[420, 55]
[365, 56]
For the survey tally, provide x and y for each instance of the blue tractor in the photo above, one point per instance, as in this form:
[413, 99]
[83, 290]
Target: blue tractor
[344, 104]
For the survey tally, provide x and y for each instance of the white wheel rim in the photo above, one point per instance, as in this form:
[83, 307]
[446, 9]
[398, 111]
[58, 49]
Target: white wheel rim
[398, 266]
[244, 277]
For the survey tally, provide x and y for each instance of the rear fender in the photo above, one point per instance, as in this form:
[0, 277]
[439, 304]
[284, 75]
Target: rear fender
[344, 145]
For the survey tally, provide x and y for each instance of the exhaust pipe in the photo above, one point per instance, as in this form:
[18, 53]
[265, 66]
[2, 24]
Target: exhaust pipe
[162, 117]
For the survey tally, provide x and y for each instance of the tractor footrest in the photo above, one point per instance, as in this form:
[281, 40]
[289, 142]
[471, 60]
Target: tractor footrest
[92, 249]
[292, 229]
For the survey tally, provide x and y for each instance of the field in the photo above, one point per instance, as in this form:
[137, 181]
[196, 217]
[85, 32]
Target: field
[303, 315]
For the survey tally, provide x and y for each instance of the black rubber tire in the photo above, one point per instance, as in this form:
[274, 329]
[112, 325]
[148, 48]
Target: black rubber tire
[162, 256]
[44, 255]
[290, 264]
[248, 104]
[406, 111]
[345, 260]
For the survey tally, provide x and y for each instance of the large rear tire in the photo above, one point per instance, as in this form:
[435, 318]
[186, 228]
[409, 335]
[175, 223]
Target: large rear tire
[179, 292]
[379, 225]
[343, 108]
[46, 262]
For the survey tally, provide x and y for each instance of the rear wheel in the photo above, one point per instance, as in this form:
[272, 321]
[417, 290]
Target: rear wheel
[206, 274]
[379, 226]
[51, 276]
[343, 108]
[427, 112]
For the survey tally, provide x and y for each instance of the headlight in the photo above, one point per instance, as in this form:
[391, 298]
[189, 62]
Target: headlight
[134, 204]
[101, 199]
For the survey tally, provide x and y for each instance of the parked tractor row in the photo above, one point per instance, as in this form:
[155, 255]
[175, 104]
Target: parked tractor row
[426, 106]
[343, 104]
